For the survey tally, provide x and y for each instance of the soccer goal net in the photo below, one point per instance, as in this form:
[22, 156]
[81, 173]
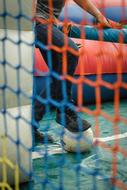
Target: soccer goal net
[99, 156]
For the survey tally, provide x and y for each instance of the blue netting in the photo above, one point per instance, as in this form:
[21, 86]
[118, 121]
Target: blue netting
[45, 166]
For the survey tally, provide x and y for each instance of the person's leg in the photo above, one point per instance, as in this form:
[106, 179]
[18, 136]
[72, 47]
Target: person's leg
[38, 83]
[55, 65]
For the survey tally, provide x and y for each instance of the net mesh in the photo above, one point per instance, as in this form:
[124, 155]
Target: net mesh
[16, 76]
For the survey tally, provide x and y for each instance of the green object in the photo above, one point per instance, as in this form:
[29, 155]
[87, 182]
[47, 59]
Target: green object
[125, 26]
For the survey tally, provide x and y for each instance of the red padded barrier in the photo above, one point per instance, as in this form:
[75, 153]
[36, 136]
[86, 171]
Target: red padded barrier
[92, 54]
[103, 54]
[39, 63]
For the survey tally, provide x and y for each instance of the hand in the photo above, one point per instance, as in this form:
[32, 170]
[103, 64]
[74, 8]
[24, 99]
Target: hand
[103, 22]
[114, 24]
[107, 23]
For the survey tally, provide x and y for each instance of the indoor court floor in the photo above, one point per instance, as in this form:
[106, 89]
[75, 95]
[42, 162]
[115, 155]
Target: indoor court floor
[56, 169]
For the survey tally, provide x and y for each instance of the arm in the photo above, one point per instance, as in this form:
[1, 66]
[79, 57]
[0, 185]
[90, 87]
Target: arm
[88, 6]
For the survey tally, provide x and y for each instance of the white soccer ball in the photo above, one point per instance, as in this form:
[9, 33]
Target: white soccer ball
[81, 141]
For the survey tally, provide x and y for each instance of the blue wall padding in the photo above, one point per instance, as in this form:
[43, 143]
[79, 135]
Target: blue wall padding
[89, 95]
[88, 92]
[76, 14]
[92, 33]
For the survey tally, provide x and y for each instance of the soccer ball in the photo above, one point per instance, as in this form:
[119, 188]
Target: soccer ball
[79, 141]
